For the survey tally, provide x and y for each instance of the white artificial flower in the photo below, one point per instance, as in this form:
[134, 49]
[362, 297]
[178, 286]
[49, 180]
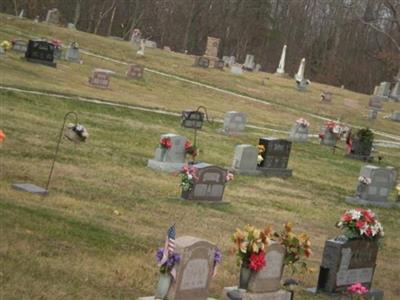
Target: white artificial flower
[355, 215]
[190, 176]
[340, 224]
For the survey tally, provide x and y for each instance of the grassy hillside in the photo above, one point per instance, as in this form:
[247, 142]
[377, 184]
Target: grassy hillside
[72, 244]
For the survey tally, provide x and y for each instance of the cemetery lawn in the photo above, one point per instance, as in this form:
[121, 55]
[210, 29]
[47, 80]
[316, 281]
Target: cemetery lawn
[95, 235]
[167, 93]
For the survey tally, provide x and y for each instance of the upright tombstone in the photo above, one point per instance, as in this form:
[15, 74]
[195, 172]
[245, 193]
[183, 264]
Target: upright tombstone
[172, 159]
[150, 44]
[245, 160]
[301, 82]
[72, 54]
[266, 283]
[234, 123]
[100, 78]
[275, 155]
[299, 131]
[383, 90]
[395, 116]
[219, 65]
[135, 71]
[209, 185]
[201, 61]
[281, 67]
[19, 46]
[71, 26]
[40, 52]
[374, 186]
[257, 68]
[345, 262]
[395, 93]
[212, 46]
[330, 134]
[249, 63]
[236, 69]
[326, 97]
[53, 16]
[360, 144]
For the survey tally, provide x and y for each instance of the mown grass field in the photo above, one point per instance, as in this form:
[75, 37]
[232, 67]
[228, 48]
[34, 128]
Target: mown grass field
[71, 244]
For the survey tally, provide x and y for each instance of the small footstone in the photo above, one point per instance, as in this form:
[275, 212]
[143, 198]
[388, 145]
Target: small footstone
[30, 188]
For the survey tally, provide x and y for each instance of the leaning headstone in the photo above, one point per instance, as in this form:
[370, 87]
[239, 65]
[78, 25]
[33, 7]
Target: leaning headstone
[209, 184]
[53, 16]
[194, 271]
[266, 283]
[234, 123]
[72, 53]
[249, 63]
[275, 155]
[21, 14]
[40, 52]
[374, 186]
[395, 93]
[212, 46]
[245, 160]
[236, 69]
[395, 116]
[172, 158]
[135, 71]
[201, 61]
[100, 78]
[19, 46]
[346, 262]
[299, 131]
[219, 64]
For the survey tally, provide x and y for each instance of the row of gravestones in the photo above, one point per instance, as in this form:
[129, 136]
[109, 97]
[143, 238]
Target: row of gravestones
[100, 78]
[271, 160]
[375, 104]
[384, 91]
[344, 262]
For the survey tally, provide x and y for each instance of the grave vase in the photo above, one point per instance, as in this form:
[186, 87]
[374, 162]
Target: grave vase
[244, 277]
[163, 154]
[361, 189]
[163, 286]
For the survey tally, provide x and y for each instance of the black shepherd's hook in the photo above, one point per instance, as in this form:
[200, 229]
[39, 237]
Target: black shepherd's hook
[205, 113]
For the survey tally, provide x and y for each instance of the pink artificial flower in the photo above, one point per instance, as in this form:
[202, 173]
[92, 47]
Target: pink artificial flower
[357, 288]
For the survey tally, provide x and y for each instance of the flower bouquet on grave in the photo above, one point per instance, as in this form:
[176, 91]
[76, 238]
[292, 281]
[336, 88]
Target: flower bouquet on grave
[191, 150]
[363, 182]
[261, 150]
[360, 223]
[165, 144]
[357, 291]
[188, 176]
[76, 133]
[2, 136]
[297, 246]
[250, 245]
[303, 122]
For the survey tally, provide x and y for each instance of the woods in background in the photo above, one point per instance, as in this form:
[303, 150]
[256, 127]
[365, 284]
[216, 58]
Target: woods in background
[355, 43]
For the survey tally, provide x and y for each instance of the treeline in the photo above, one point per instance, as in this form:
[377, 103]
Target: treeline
[355, 43]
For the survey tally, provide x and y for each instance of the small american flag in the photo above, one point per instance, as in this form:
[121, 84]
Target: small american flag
[169, 246]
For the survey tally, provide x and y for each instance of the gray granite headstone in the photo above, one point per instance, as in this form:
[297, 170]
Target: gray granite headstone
[236, 69]
[194, 271]
[249, 63]
[234, 122]
[245, 158]
[345, 263]
[72, 53]
[150, 44]
[395, 93]
[298, 133]
[383, 89]
[20, 46]
[377, 192]
[329, 137]
[53, 16]
[395, 116]
[30, 188]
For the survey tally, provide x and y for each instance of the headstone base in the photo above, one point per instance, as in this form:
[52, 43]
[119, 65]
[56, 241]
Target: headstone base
[42, 62]
[373, 294]
[164, 166]
[30, 188]
[263, 172]
[152, 298]
[359, 201]
[360, 157]
[231, 133]
[235, 294]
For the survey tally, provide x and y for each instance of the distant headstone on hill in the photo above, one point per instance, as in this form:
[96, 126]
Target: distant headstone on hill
[212, 46]
[201, 61]
[19, 46]
[53, 16]
[249, 63]
[100, 78]
[41, 52]
[135, 71]
[219, 64]
[72, 53]
[236, 69]
[395, 93]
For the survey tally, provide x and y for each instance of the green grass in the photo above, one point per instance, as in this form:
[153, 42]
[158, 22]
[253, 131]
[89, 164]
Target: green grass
[72, 245]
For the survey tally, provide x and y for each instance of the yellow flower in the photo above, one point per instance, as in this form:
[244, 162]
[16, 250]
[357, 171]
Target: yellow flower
[398, 188]
[261, 149]
[288, 227]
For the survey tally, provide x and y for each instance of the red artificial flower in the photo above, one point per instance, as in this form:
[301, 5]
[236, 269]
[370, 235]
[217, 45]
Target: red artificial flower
[369, 216]
[360, 224]
[347, 218]
[257, 261]
[166, 143]
[2, 136]
[368, 232]
[188, 144]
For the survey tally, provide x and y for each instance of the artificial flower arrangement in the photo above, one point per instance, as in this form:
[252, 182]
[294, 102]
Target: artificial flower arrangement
[298, 247]
[6, 45]
[357, 291]
[334, 128]
[188, 175]
[364, 180]
[303, 122]
[76, 133]
[191, 149]
[360, 223]
[169, 264]
[2, 136]
[261, 151]
[250, 245]
[165, 143]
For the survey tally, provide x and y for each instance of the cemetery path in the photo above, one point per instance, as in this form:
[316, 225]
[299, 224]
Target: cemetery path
[253, 99]
[382, 143]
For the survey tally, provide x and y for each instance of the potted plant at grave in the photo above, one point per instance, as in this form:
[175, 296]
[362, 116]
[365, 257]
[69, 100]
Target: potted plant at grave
[191, 150]
[250, 246]
[297, 246]
[165, 145]
[360, 224]
[188, 176]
